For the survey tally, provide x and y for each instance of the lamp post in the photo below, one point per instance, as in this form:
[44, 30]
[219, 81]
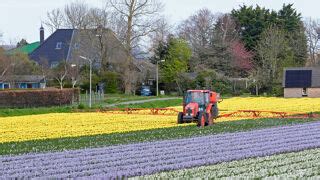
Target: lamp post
[157, 75]
[90, 90]
[72, 74]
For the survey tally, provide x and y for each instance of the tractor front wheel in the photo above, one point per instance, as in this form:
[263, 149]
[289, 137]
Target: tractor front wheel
[180, 118]
[202, 119]
[210, 119]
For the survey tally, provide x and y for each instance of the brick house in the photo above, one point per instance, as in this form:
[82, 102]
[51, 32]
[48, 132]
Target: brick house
[301, 82]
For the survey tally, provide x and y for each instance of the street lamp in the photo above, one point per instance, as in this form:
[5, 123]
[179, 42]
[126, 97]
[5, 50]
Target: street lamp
[72, 75]
[157, 75]
[90, 91]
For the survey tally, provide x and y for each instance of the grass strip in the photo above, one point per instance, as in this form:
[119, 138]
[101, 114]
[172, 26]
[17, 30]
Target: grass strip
[34, 111]
[141, 136]
[154, 104]
[7, 112]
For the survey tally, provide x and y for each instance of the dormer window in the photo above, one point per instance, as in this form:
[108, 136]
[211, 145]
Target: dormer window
[59, 45]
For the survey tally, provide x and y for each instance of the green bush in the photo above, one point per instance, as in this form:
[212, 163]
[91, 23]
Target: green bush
[277, 90]
[81, 106]
[222, 86]
[111, 80]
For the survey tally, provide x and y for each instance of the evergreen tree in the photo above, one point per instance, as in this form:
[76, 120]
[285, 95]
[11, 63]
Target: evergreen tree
[21, 43]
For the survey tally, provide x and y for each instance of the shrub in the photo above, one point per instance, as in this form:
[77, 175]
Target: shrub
[81, 106]
[38, 98]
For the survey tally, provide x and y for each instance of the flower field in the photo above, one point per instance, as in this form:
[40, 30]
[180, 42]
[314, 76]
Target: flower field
[303, 105]
[23, 128]
[153, 157]
[111, 146]
[292, 165]
[59, 125]
[295, 105]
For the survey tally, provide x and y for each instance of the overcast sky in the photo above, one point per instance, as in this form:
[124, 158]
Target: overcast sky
[22, 18]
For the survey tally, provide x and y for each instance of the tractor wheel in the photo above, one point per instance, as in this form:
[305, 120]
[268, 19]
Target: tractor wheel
[215, 111]
[202, 119]
[210, 119]
[180, 118]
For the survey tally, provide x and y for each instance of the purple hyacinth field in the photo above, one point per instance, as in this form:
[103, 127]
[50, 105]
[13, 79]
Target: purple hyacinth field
[153, 157]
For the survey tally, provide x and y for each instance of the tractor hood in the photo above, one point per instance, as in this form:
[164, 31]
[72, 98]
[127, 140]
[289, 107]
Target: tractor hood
[192, 109]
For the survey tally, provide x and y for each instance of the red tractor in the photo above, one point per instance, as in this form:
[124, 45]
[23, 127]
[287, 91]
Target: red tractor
[200, 106]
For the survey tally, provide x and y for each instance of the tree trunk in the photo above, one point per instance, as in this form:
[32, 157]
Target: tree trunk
[127, 81]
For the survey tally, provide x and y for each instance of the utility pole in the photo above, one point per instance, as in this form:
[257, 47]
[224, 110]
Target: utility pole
[157, 76]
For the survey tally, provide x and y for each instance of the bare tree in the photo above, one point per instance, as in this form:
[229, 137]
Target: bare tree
[198, 29]
[73, 15]
[140, 17]
[5, 66]
[98, 18]
[160, 35]
[76, 15]
[60, 73]
[226, 27]
[55, 19]
[313, 37]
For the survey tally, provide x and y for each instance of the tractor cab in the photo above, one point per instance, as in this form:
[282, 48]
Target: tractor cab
[199, 97]
[200, 106]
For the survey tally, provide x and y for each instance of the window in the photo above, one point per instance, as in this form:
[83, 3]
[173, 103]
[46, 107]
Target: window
[59, 45]
[54, 64]
[6, 85]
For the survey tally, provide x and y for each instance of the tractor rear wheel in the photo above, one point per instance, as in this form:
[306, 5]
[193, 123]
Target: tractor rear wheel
[215, 111]
[180, 118]
[202, 119]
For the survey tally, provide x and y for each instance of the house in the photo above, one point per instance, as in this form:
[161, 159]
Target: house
[301, 82]
[26, 49]
[79, 46]
[23, 82]
[99, 45]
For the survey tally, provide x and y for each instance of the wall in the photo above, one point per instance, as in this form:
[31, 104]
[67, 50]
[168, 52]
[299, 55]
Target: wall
[297, 92]
[314, 92]
[292, 92]
[38, 98]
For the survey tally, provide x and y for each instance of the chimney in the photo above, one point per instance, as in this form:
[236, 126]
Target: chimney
[41, 34]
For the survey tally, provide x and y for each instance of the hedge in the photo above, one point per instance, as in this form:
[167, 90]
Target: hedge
[38, 97]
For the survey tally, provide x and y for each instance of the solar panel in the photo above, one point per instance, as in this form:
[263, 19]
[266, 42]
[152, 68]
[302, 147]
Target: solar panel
[298, 78]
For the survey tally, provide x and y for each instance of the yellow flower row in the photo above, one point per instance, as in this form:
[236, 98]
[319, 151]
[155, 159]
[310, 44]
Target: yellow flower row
[48, 126]
[291, 105]
[272, 104]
